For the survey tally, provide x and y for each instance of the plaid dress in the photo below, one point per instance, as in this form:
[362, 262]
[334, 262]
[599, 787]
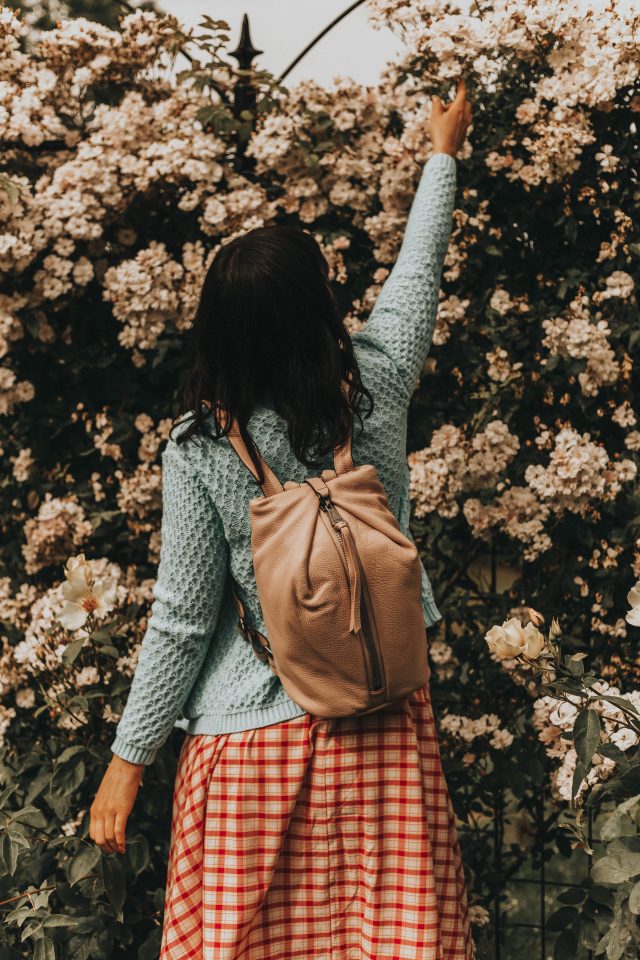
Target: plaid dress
[316, 839]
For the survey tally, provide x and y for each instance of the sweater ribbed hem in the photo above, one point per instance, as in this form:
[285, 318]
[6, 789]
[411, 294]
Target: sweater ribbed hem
[246, 720]
[431, 613]
[211, 723]
[215, 723]
[443, 160]
[132, 753]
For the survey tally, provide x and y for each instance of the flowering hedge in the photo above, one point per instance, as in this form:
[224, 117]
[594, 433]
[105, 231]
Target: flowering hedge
[118, 184]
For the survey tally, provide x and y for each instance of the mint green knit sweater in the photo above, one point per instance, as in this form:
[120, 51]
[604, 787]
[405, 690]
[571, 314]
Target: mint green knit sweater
[195, 670]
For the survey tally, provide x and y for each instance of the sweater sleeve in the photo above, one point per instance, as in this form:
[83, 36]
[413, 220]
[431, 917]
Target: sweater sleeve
[188, 593]
[403, 317]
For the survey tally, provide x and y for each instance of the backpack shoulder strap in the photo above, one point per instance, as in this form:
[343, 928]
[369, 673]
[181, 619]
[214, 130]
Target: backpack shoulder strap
[257, 640]
[271, 483]
[342, 455]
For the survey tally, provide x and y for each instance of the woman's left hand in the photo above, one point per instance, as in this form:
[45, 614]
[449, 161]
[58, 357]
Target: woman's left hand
[113, 803]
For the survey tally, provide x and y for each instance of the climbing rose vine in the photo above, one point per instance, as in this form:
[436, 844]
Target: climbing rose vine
[122, 173]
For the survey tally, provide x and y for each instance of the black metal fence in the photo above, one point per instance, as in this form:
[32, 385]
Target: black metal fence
[537, 883]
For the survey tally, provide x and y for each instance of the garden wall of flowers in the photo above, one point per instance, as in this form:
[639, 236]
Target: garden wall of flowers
[119, 180]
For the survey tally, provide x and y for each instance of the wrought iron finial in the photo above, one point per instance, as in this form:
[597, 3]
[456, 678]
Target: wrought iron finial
[244, 95]
[245, 52]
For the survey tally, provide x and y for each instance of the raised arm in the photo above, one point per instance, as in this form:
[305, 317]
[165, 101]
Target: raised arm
[188, 593]
[403, 317]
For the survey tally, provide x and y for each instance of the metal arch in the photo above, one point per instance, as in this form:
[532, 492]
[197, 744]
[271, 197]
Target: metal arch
[315, 40]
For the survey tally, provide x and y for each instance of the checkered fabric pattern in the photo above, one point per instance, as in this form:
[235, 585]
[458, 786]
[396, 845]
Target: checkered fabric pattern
[316, 839]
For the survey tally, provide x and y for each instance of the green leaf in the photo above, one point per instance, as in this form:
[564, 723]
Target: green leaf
[619, 822]
[617, 825]
[66, 778]
[620, 863]
[627, 783]
[586, 733]
[105, 633]
[72, 651]
[151, 946]
[572, 895]
[618, 701]
[43, 949]
[601, 895]
[15, 831]
[562, 918]
[30, 815]
[580, 773]
[608, 870]
[613, 752]
[568, 685]
[616, 938]
[571, 229]
[110, 651]
[70, 752]
[575, 667]
[114, 883]
[566, 945]
[9, 851]
[589, 935]
[59, 920]
[138, 854]
[634, 898]
[83, 863]
[103, 516]
[10, 187]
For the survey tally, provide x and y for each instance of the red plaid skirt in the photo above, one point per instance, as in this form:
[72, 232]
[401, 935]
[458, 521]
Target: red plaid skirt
[315, 839]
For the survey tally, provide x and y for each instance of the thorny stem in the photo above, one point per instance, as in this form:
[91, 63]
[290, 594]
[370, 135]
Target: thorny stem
[28, 894]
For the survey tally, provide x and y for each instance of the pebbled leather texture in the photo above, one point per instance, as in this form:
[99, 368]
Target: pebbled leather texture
[314, 568]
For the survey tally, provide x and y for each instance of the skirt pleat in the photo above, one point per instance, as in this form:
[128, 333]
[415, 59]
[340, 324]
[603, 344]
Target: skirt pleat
[316, 839]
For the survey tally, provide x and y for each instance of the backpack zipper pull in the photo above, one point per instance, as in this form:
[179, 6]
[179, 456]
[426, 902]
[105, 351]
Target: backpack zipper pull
[329, 507]
[345, 537]
[355, 623]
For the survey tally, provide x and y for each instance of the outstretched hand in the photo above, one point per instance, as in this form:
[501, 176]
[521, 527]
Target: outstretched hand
[449, 121]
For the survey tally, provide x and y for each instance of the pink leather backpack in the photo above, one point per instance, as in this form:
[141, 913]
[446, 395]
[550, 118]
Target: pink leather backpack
[339, 586]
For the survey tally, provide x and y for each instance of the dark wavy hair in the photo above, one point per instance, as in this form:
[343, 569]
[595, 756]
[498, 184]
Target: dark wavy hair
[267, 325]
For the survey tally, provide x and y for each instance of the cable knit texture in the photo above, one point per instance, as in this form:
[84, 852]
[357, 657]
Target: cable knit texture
[195, 670]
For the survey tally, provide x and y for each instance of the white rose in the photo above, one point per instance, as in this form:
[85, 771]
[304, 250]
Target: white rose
[535, 617]
[564, 715]
[534, 641]
[633, 598]
[506, 641]
[624, 738]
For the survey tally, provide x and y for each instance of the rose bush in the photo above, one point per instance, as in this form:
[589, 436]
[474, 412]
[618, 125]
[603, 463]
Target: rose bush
[594, 730]
[119, 180]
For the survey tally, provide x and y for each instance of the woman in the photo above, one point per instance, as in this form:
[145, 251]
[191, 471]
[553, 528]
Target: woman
[292, 836]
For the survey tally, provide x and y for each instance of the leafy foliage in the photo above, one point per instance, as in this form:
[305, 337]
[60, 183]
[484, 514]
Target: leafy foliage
[118, 184]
